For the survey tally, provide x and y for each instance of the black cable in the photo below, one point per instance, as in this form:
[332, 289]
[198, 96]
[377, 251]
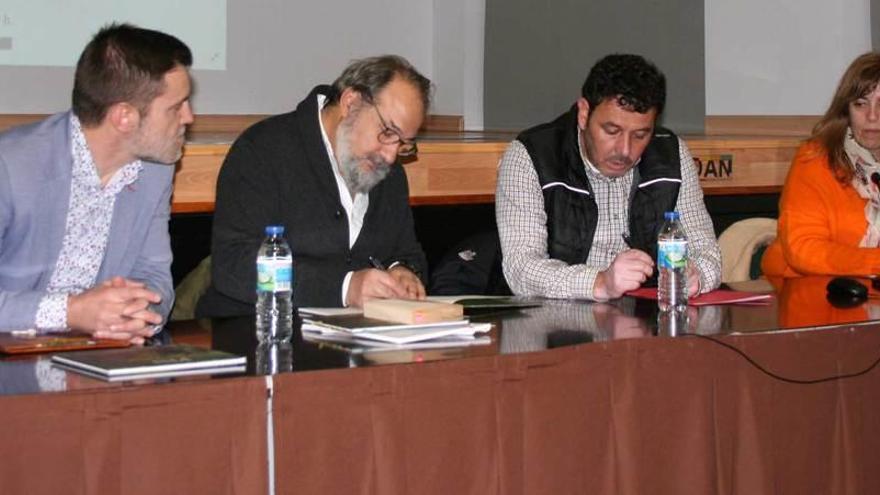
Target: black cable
[780, 377]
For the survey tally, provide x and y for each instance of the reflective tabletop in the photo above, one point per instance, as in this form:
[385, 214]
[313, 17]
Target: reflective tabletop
[797, 305]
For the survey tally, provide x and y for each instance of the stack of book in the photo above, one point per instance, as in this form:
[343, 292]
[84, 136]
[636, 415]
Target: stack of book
[394, 322]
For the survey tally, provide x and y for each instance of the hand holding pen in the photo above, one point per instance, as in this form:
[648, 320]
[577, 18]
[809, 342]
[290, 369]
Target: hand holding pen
[377, 264]
[628, 271]
[410, 282]
[374, 283]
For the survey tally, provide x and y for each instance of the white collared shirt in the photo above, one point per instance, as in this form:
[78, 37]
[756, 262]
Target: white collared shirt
[355, 208]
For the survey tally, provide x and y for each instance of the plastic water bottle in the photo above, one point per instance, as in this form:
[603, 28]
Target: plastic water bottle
[274, 287]
[672, 259]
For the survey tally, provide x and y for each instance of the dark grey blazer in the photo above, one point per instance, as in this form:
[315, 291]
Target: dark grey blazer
[278, 172]
[35, 174]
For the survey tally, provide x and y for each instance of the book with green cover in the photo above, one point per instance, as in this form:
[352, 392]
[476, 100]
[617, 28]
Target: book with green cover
[148, 362]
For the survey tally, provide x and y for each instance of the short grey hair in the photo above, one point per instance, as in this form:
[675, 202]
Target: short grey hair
[368, 76]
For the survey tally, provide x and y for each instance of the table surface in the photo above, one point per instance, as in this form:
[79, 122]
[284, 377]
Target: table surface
[797, 305]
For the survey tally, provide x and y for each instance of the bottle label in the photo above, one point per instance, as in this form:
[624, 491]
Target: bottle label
[672, 254]
[274, 275]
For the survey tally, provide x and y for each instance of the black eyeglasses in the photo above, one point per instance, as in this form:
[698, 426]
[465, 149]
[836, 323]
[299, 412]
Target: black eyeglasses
[406, 147]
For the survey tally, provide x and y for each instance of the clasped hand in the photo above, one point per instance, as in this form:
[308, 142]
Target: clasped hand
[117, 309]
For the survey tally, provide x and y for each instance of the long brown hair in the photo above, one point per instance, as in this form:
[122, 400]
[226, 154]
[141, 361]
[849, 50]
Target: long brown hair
[860, 78]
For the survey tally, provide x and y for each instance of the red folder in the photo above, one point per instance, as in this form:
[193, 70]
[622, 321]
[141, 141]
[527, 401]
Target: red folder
[717, 296]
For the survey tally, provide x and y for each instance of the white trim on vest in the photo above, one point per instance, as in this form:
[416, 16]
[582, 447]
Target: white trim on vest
[661, 179]
[563, 184]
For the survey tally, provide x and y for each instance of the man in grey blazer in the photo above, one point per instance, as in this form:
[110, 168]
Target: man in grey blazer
[84, 195]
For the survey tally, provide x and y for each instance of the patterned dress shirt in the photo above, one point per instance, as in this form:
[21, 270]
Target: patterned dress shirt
[85, 236]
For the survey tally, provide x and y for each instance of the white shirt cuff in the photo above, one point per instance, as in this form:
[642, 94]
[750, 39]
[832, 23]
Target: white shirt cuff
[345, 282]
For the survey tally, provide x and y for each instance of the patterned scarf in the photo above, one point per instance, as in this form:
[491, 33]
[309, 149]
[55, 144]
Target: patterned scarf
[865, 167]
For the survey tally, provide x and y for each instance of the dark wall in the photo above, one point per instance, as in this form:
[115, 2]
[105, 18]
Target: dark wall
[537, 55]
[440, 227]
[190, 242]
[875, 24]
[437, 227]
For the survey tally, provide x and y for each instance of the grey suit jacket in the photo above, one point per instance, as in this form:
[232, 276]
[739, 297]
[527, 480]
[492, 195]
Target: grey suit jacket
[35, 174]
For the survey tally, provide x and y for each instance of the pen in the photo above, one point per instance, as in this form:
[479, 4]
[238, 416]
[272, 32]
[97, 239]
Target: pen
[377, 264]
[626, 240]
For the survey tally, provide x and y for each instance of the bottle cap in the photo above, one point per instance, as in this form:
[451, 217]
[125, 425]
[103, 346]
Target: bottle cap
[274, 230]
[670, 215]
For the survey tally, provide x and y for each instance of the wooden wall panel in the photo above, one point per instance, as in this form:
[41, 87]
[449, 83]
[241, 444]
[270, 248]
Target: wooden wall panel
[760, 125]
[235, 124]
[195, 181]
[445, 171]
[742, 166]
[464, 172]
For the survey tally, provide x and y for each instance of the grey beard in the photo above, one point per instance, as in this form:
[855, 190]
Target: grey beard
[356, 178]
[359, 180]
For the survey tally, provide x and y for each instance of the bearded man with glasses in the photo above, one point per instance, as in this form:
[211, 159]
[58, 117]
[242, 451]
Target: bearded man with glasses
[330, 173]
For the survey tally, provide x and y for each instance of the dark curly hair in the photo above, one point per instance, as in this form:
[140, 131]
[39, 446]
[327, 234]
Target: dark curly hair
[634, 82]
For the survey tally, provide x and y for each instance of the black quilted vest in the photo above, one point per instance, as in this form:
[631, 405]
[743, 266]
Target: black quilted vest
[571, 209]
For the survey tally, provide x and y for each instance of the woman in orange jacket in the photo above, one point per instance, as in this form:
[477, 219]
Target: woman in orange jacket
[829, 218]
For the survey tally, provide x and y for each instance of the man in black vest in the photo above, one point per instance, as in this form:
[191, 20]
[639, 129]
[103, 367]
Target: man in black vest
[329, 172]
[580, 200]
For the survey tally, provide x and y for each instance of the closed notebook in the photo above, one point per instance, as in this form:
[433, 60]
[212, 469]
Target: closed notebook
[136, 361]
[360, 323]
[412, 312]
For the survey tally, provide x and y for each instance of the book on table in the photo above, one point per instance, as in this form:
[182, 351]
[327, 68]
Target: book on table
[317, 311]
[471, 304]
[358, 323]
[150, 362]
[355, 345]
[360, 327]
[406, 335]
[412, 311]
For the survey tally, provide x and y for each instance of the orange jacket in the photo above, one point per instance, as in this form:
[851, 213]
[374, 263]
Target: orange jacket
[821, 223]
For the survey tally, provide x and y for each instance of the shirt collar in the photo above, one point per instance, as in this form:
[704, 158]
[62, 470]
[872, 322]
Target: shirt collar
[322, 100]
[86, 172]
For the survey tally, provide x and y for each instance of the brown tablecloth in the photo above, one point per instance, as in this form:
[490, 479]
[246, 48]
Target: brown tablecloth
[629, 417]
[199, 437]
